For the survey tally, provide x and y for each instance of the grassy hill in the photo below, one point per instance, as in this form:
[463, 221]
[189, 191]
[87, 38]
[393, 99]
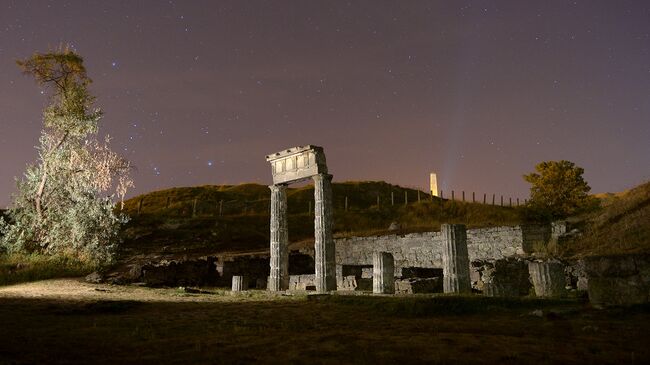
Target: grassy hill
[622, 225]
[235, 218]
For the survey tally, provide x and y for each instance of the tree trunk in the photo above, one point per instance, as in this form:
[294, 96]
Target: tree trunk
[39, 193]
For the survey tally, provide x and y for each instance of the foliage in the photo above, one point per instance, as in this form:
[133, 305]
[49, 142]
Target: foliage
[19, 268]
[558, 190]
[62, 205]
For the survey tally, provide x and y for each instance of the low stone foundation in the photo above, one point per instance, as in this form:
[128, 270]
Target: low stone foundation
[418, 285]
[576, 276]
[548, 278]
[501, 278]
[302, 282]
[618, 280]
[181, 273]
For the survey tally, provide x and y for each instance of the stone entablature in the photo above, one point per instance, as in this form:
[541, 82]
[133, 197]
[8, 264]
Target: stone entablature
[297, 164]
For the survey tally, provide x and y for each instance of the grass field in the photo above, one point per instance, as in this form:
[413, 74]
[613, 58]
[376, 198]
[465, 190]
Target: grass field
[19, 268]
[118, 325]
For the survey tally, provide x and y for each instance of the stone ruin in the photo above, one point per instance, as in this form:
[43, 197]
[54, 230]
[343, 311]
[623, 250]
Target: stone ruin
[290, 166]
[495, 261]
[383, 273]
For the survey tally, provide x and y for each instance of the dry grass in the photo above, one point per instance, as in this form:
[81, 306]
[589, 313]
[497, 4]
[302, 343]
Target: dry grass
[169, 328]
[244, 225]
[19, 268]
[621, 226]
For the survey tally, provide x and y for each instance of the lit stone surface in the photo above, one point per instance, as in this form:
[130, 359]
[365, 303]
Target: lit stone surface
[425, 249]
[383, 273]
[324, 243]
[297, 163]
[548, 278]
[279, 275]
[455, 259]
[239, 283]
[293, 165]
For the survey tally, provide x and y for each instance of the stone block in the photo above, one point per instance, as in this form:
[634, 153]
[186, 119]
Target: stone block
[455, 259]
[347, 283]
[618, 279]
[383, 278]
[239, 283]
[506, 277]
[548, 278]
[297, 163]
[302, 282]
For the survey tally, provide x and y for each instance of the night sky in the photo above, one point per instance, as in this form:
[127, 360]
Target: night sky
[198, 92]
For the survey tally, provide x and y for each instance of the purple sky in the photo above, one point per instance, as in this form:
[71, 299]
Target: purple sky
[198, 92]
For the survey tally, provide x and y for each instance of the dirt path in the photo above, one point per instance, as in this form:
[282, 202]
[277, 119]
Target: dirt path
[77, 289]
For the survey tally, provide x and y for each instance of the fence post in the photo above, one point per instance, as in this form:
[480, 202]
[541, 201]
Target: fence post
[406, 198]
[452, 195]
[346, 203]
[501, 200]
[517, 201]
[167, 205]
[194, 208]
[510, 201]
[378, 201]
[484, 197]
[140, 205]
[220, 207]
[463, 192]
[392, 198]
[418, 196]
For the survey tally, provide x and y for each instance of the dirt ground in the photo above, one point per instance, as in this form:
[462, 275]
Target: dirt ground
[68, 321]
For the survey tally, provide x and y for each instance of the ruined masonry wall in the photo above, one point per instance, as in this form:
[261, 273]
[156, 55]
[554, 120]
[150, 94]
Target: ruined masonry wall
[425, 249]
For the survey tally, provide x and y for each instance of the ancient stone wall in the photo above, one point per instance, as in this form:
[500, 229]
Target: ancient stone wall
[618, 279]
[425, 249]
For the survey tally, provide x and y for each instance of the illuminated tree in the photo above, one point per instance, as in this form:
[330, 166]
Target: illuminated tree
[66, 202]
[558, 189]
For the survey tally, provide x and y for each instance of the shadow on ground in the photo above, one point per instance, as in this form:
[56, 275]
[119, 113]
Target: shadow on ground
[320, 330]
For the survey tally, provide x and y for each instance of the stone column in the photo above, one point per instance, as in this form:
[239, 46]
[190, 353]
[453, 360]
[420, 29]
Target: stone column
[455, 259]
[279, 276]
[548, 278]
[383, 273]
[324, 242]
[239, 283]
